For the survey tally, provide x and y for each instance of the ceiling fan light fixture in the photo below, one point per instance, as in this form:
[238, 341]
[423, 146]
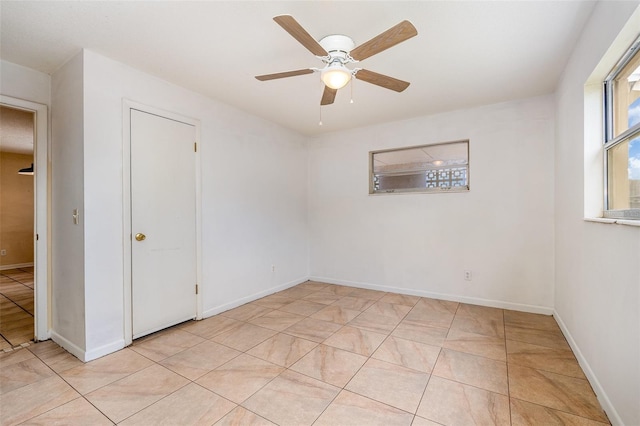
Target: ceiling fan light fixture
[28, 171]
[335, 76]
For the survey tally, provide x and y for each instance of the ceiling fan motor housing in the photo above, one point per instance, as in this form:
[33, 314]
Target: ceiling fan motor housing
[338, 46]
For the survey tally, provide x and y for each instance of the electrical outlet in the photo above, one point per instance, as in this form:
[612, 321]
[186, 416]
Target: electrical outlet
[3, 252]
[467, 275]
[273, 268]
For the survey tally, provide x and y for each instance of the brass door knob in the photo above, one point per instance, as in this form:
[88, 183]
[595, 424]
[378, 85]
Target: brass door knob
[140, 237]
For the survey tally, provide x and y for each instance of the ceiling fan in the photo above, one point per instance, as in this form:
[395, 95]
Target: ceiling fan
[336, 51]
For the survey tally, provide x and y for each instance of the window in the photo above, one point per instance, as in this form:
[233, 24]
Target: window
[622, 137]
[427, 168]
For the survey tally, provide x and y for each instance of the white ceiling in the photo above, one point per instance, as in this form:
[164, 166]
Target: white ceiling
[466, 53]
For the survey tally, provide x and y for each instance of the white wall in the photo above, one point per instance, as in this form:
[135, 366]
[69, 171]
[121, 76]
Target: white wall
[253, 197]
[597, 290]
[502, 230]
[24, 83]
[67, 239]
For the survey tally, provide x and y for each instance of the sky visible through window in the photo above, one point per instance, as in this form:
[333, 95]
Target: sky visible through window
[634, 145]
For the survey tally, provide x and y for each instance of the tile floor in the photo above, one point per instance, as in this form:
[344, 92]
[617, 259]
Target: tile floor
[315, 354]
[16, 307]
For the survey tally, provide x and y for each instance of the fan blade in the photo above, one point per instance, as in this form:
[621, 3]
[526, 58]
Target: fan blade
[284, 74]
[328, 96]
[382, 80]
[394, 35]
[292, 26]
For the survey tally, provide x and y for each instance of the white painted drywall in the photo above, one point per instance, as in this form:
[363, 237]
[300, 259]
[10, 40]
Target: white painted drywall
[597, 281]
[502, 230]
[24, 83]
[254, 180]
[67, 239]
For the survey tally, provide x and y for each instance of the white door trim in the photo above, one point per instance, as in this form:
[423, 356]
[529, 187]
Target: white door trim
[127, 106]
[42, 183]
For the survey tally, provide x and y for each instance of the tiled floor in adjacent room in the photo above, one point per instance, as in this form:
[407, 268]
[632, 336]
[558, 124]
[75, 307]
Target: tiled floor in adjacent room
[16, 307]
[315, 354]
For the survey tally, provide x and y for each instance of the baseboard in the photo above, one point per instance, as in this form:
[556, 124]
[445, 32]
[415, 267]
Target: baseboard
[238, 302]
[16, 266]
[602, 396]
[81, 354]
[440, 296]
[68, 346]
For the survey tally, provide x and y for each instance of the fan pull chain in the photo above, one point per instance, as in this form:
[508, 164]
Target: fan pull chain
[352, 82]
[320, 122]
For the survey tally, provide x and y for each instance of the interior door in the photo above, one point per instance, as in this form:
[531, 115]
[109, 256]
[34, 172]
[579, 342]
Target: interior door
[163, 222]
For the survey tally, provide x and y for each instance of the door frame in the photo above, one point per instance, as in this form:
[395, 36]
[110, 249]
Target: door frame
[42, 214]
[127, 106]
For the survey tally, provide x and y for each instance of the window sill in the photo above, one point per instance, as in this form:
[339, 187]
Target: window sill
[613, 221]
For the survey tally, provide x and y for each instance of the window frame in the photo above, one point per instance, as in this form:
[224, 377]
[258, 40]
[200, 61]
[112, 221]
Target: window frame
[425, 190]
[610, 139]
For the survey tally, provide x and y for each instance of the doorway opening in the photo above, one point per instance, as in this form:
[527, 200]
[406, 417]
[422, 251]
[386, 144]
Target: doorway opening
[17, 226]
[24, 229]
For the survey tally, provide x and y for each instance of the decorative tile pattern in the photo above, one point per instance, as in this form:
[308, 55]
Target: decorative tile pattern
[315, 353]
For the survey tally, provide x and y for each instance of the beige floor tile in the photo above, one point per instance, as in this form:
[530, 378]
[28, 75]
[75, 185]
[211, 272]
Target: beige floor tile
[190, 405]
[357, 303]
[210, 327]
[525, 413]
[529, 320]
[339, 290]
[426, 304]
[242, 417]
[476, 344]
[274, 301]
[551, 339]
[351, 409]
[54, 356]
[473, 370]
[329, 364]
[556, 391]
[244, 337]
[282, 349]
[32, 400]
[13, 357]
[296, 292]
[312, 329]
[93, 375]
[451, 403]
[407, 353]
[420, 333]
[4, 344]
[390, 384]
[277, 320]
[336, 314]
[400, 299]
[322, 297]
[74, 413]
[23, 373]
[480, 312]
[292, 399]
[167, 344]
[127, 396]
[429, 318]
[356, 340]
[313, 285]
[479, 325]
[303, 307]
[419, 421]
[374, 322]
[240, 378]
[200, 359]
[391, 310]
[561, 361]
[366, 293]
[246, 312]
